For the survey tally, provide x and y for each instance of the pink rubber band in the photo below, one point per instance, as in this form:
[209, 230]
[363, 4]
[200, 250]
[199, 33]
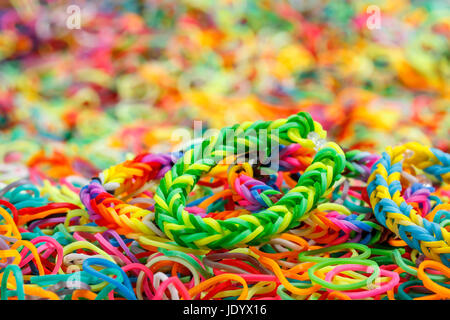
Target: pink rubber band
[177, 284]
[395, 278]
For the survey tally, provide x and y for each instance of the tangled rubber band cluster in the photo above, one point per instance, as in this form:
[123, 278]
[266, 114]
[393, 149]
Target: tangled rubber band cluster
[303, 231]
[74, 102]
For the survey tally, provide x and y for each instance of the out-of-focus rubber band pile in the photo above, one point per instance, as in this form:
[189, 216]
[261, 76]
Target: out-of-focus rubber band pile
[101, 199]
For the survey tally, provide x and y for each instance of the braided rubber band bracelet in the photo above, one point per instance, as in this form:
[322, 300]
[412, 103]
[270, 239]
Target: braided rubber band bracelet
[115, 199]
[194, 232]
[390, 207]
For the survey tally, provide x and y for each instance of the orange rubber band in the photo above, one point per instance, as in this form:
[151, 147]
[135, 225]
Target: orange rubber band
[428, 283]
[276, 269]
[223, 277]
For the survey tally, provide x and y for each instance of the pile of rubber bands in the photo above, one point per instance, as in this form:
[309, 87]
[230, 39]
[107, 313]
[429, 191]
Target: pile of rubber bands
[324, 224]
[347, 196]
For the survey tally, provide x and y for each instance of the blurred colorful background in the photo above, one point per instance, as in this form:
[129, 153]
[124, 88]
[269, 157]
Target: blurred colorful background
[78, 100]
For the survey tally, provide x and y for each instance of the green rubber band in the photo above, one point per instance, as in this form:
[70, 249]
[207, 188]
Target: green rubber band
[205, 272]
[109, 287]
[381, 252]
[103, 294]
[305, 256]
[303, 285]
[19, 292]
[401, 289]
[51, 279]
[401, 263]
[344, 287]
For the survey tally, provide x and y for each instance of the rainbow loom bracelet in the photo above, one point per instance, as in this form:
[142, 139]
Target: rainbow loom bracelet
[105, 198]
[390, 207]
[192, 231]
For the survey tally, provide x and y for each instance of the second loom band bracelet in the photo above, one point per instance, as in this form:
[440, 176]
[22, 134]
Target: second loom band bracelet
[123, 181]
[192, 231]
[391, 209]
